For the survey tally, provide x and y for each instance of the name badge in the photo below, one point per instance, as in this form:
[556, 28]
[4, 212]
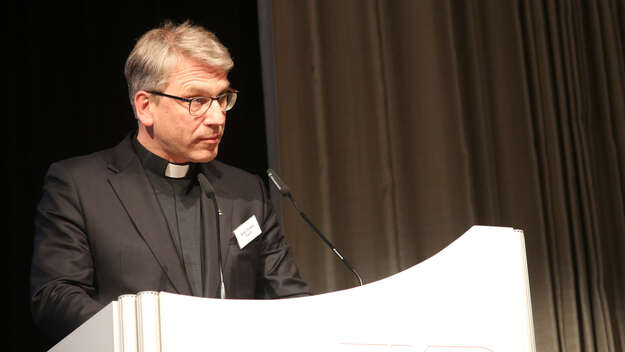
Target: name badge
[247, 231]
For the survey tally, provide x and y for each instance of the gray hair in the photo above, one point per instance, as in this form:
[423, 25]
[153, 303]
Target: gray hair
[157, 52]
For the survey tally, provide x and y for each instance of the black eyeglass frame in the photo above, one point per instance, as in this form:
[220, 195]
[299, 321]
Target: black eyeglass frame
[191, 100]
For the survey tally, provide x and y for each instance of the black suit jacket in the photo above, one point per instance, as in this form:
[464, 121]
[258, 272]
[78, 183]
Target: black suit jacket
[100, 233]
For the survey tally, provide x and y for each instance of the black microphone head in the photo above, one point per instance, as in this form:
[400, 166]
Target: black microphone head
[280, 185]
[205, 185]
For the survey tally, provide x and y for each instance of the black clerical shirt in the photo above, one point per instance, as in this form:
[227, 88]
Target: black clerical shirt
[180, 203]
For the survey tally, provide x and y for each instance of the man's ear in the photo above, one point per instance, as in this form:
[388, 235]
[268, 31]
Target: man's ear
[143, 108]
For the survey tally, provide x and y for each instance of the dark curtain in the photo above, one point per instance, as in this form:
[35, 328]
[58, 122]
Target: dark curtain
[403, 123]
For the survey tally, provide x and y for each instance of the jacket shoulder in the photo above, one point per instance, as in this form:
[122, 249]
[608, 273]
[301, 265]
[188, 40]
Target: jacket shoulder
[113, 158]
[90, 164]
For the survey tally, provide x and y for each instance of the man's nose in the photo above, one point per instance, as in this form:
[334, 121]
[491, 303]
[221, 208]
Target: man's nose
[214, 115]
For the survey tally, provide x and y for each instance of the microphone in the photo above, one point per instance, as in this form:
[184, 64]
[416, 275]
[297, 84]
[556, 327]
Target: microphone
[210, 192]
[280, 185]
[284, 191]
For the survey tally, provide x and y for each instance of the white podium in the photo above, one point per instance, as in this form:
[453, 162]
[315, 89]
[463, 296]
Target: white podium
[473, 296]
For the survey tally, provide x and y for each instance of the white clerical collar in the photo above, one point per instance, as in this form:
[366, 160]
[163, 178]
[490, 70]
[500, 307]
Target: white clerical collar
[176, 171]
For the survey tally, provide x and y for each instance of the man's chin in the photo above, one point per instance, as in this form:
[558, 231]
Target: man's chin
[203, 157]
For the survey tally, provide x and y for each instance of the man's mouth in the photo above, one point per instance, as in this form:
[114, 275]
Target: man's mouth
[210, 139]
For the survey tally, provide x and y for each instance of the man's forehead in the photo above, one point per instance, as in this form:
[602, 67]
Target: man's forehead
[197, 77]
[201, 83]
[190, 64]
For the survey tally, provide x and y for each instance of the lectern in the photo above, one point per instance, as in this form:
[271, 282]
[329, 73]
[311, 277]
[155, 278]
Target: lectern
[473, 296]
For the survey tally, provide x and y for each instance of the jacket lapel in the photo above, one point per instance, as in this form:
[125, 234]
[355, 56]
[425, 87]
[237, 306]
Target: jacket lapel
[132, 187]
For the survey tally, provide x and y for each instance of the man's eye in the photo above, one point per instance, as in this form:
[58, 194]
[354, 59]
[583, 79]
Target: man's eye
[201, 100]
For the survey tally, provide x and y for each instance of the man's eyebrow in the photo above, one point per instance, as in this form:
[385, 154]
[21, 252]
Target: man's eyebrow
[197, 91]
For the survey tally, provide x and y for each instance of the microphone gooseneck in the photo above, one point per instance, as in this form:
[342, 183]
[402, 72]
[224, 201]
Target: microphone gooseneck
[210, 192]
[284, 191]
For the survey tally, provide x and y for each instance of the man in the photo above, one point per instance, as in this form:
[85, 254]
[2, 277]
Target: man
[135, 218]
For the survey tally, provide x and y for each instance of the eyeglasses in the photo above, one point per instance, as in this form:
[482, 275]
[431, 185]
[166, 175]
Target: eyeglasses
[200, 105]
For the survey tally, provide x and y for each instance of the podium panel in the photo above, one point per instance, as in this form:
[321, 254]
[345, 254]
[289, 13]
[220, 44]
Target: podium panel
[473, 296]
